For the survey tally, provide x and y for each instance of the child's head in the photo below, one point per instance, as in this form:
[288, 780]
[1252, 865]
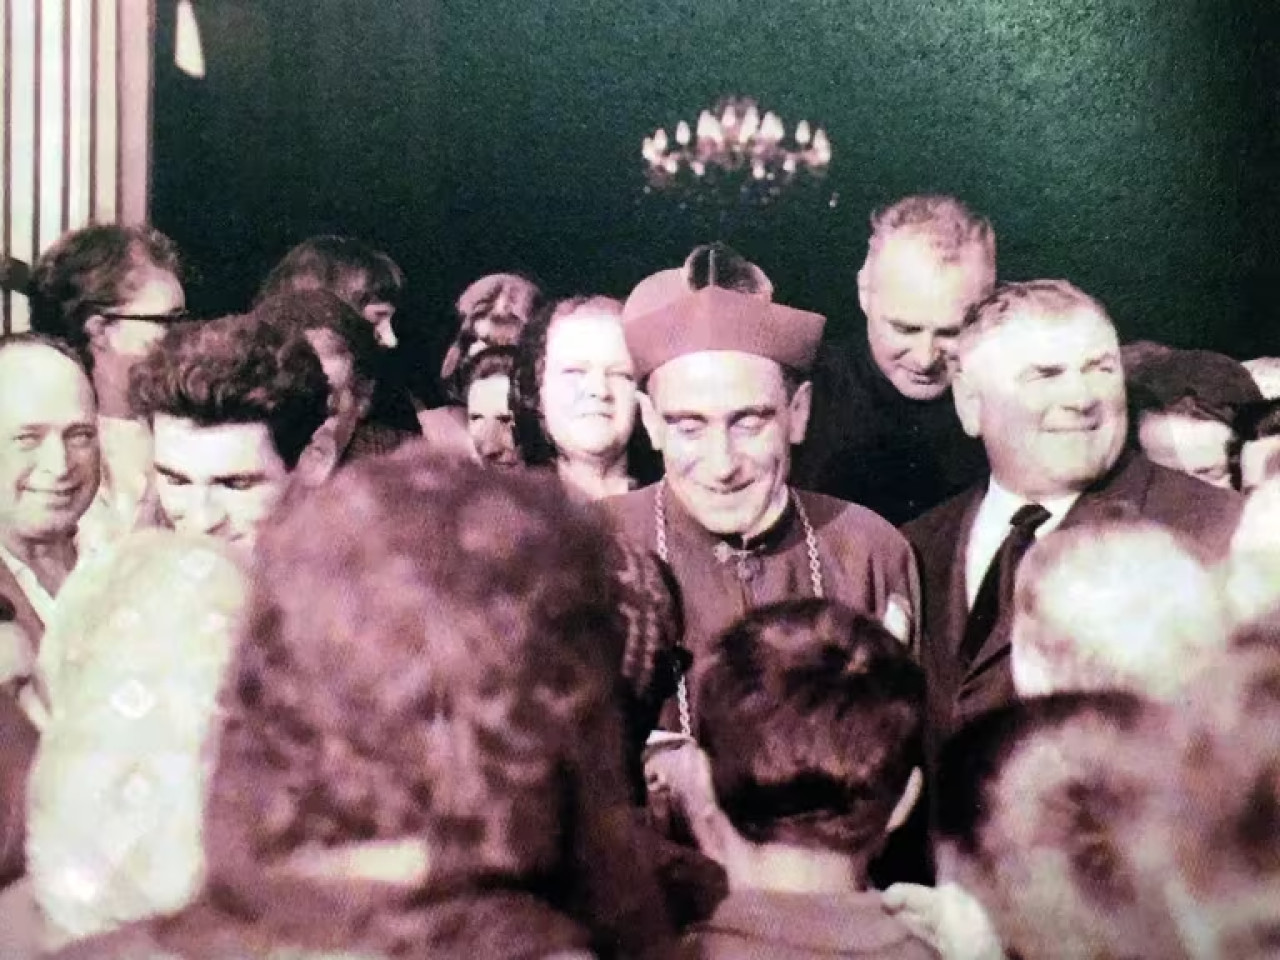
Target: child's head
[811, 715]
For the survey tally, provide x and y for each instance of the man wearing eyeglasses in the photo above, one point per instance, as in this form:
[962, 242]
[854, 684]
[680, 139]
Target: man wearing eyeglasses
[110, 292]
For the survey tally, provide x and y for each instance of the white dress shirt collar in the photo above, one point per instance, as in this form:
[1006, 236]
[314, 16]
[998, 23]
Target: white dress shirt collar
[991, 526]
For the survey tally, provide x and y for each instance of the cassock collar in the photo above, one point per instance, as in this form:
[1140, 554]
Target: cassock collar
[780, 534]
[889, 396]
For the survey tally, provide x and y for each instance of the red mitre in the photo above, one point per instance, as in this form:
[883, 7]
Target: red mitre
[665, 318]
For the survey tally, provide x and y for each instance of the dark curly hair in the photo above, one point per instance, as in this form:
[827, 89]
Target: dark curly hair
[91, 269]
[347, 267]
[431, 649]
[307, 310]
[813, 717]
[237, 369]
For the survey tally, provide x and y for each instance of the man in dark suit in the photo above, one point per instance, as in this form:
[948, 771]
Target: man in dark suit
[1039, 381]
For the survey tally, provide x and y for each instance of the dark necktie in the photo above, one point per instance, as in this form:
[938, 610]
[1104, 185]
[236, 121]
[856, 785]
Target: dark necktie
[995, 595]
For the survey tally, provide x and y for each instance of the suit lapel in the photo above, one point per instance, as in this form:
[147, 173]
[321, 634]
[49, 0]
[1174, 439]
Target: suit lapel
[1116, 496]
[957, 614]
[1120, 495]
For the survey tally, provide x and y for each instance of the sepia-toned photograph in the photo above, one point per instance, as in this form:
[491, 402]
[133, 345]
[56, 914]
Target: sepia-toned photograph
[585, 480]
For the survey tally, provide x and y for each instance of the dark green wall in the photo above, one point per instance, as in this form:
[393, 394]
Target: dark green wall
[1125, 144]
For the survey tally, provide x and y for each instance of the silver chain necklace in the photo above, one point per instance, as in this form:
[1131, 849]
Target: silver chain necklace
[664, 553]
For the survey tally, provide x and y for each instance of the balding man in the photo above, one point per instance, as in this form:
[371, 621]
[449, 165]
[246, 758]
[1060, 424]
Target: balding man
[1039, 381]
[885, 434]
[50, 465]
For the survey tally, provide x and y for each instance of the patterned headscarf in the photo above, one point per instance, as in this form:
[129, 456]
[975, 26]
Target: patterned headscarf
[133, 661]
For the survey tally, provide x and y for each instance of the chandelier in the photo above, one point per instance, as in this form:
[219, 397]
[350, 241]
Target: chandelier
[734, 145]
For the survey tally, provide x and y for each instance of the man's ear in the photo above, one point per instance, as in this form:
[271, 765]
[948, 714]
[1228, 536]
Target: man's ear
[652, 420]
[968, 402]
[863, 288]
[800, 406]
[907, 802]
[319, 459]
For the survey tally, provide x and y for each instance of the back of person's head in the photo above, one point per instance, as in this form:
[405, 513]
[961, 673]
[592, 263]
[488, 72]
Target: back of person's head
[321, 311]
[491, 313]
[93, 269]
[1044, 815]
[1252, 566]
[1123, 605]
[812, 718]
[347, 267]
[237, 369]
[1221, 809]
[134, 657]
[431, 653]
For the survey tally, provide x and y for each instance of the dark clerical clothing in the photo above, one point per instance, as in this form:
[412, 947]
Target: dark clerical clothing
[865, 564]
[1134, 489]
[767, 925]
[869, 444]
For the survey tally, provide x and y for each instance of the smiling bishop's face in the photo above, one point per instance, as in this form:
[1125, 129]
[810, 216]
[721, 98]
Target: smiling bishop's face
[725, 425]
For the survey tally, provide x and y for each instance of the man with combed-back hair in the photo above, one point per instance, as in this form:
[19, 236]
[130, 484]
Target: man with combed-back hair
[1039, 382]
[885, 433]
[811, 716]
[237, 406]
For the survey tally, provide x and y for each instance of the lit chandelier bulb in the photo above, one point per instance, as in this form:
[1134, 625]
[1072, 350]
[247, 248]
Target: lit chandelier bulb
[682, 134]
[803, 133]
[821, 148]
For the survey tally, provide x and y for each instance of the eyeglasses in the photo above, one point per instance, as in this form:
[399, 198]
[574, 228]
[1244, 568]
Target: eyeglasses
[174, 316]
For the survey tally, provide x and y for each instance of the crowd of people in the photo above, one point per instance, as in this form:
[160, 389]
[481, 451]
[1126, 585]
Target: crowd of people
[682, 629]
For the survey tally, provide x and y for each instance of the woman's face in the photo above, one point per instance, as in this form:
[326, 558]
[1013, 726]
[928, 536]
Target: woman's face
[588, 386]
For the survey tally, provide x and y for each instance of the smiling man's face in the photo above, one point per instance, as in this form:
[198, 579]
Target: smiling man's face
[915, 303]
[49, 455]
[1045, 393]
[725, 426]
